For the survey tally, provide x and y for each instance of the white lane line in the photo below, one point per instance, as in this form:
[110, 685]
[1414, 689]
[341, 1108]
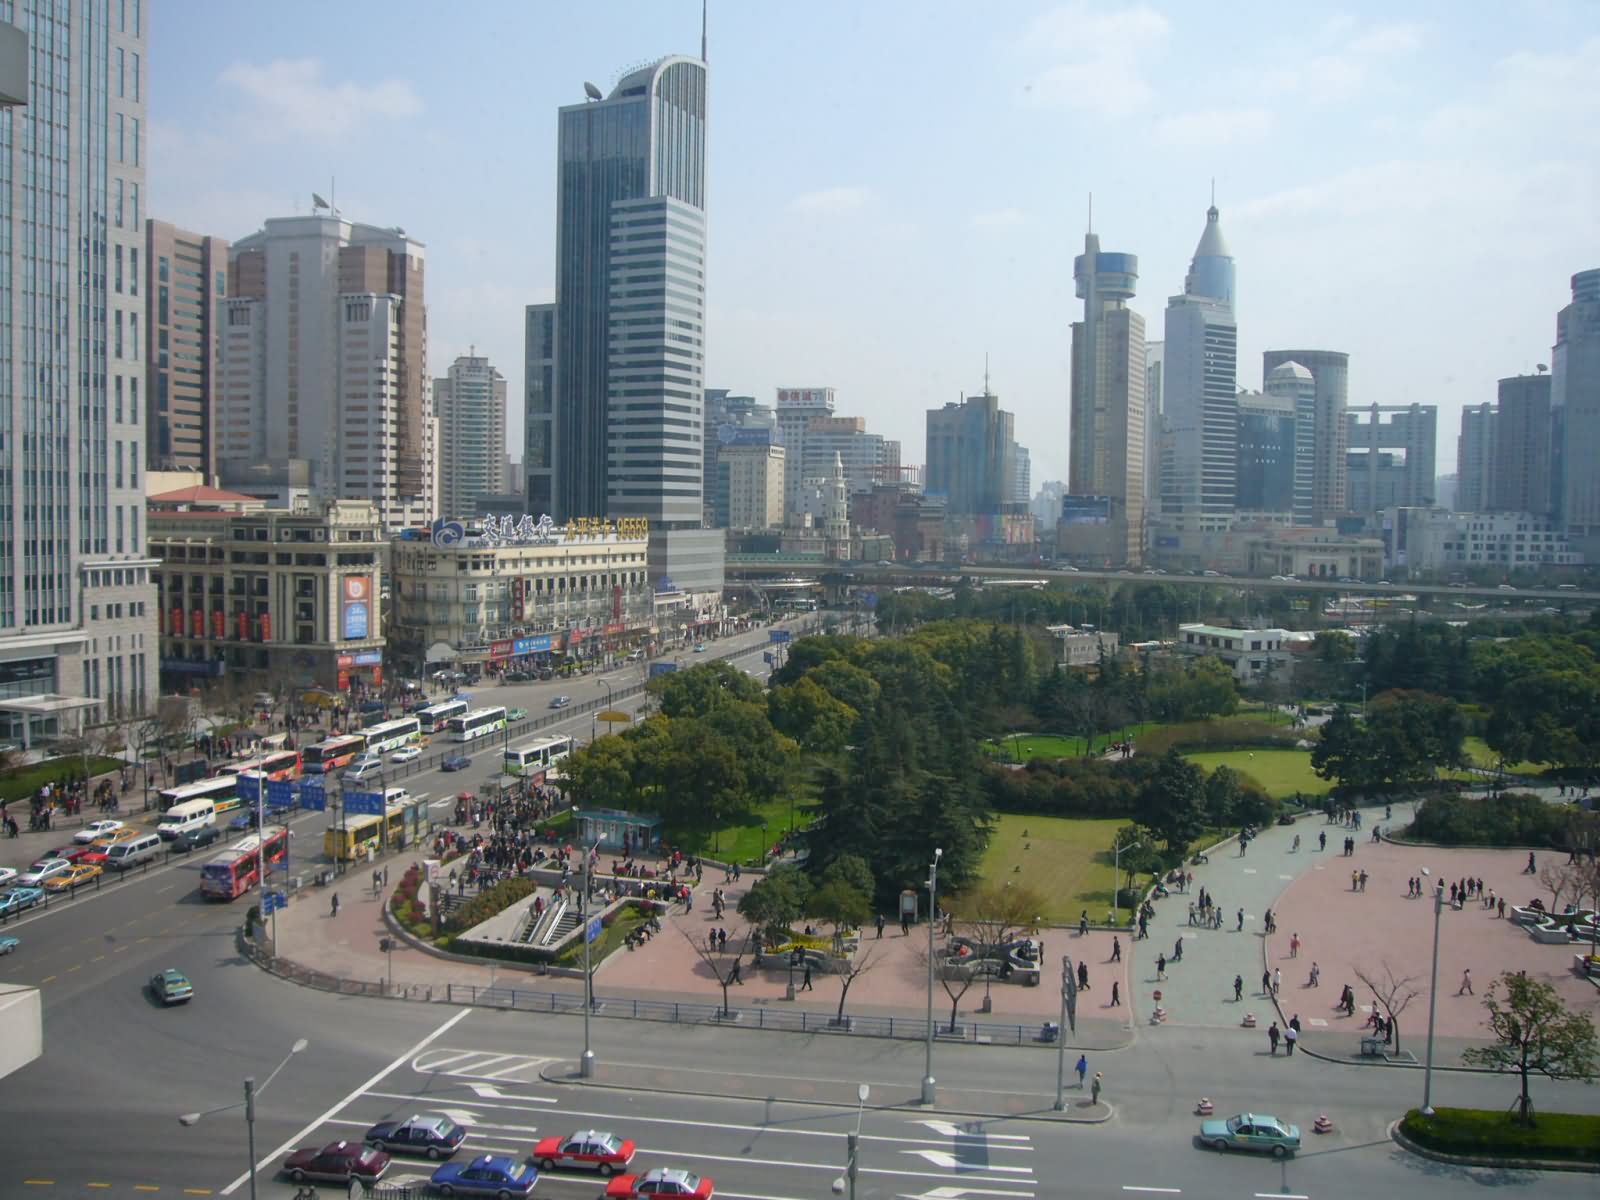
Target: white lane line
[1128, 1187]
[943, 1158]
[1281, 1196]
[476, 1125]
[831, 1168]
[433, 1064]
[168, 888]
[449, 1024]
[951, 1129]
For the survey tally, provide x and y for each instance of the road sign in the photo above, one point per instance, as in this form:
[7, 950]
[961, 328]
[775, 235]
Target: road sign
[249, 788]
[593, 929]
[1069, 993]
[271, 902]
[280, 793]
[312, 796]
[364, 803]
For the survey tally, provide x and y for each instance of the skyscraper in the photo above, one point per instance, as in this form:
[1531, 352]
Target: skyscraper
[1293, 383]
[1106, 452]
[796, 407]
[1475, 458]
[77, 601]
[1390, 457]
[970, 458]
[471, 403]
[1199, 386]
[1575, 392]
[539, 415]
[1519, 463]
[324, 364]
[630, 298]
[1266, 453]
[186, 276]
[1330, 371]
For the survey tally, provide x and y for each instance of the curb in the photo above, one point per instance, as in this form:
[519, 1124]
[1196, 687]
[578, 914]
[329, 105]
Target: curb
[566, 1074]
[1482, 1160]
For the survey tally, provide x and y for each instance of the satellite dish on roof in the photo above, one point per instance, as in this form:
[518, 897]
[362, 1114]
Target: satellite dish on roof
[591, 91]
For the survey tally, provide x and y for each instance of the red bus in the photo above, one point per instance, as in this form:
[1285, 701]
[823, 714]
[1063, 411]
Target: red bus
[328, 756]
[234, 872]
[274, 764]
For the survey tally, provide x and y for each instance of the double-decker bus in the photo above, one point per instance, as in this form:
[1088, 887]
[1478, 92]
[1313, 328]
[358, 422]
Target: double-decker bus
[222, 790]
[274, 764]
[234, 872]
[535, 757]
[480, 722]
[329, 756]
[391, 735]
[404, 822]
[434, 716]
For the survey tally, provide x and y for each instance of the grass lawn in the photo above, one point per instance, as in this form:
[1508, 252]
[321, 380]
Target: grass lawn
[1480, 754]
[1281, 772]
[744, 841]
[25, 781]
[1066, 861]
[1026, 746]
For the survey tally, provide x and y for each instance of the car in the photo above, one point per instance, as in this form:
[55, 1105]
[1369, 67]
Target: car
[1210, 574]
[245, 820]
[498, 1175]
[19, 898]
[699, 647]
[586, 1150]
[96, 829]
[7, 874]
[560, 701]
[662, 1181]
[517, 677]
[337, 1162]
[363, 768]
[1505, 587]
[1252, 1131]
[72, 852]
[406, 754]
[73, 878]
[171, 986]
[1384, 583]
[517, 714]
[43, 869]
[8, 944]
[195, 839]
[455, 762]
[432, 1134]
[1566, 587]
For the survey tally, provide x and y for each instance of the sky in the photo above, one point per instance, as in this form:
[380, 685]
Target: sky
[896, 189]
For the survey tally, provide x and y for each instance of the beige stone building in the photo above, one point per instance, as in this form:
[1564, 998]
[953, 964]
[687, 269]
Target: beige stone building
[757, 475]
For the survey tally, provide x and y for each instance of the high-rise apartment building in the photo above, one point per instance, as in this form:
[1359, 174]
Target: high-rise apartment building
[324, 362]
[727, 416]
[1106, 450]
[186, 276]
[1292, 383]
[1021, 476]
[752, 466]
[867, 458]
[471, 405]
[970, 457]
[795, 409]
[1475, 453]
[630, 299]
[77, 600]
[1330, 371]
[539, 407]
[1390, 456]
[1520, 470]
[1155, 361]
[1199, 387]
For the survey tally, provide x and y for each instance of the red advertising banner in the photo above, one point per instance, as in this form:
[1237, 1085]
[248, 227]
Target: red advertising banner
[346, 660]
[219, 624]
[613, 629]
[175, 626]
[344, 681]
[266, 627]
[197, 623]
[499, 650]
[244, 627]
[377, 676]
[574, 636]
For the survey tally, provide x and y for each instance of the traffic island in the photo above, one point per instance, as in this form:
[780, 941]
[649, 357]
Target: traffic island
[1480, 1137]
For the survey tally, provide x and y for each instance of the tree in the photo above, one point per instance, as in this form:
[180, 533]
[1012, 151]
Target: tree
[1560, 878]
[1333, 646]
[841, 905]
[1138, 852]
[854, 967]
[1394, 991]
[988, 919]
[807, 713]
[1221, 792]
[1534, 1031]
[1170, 804]
[723, 963]
[1342, 752]
[776, 902]
[700, 689]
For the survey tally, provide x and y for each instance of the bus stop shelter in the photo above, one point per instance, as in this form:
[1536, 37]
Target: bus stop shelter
[45, 707]
[613, 830]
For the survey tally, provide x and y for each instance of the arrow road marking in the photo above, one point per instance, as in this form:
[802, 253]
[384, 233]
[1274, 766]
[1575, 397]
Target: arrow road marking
[951, 1130]
[956, 1193]
[943, 1158]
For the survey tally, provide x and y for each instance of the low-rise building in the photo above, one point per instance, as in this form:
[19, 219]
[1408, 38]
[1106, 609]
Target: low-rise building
[1082, 647]
[1250, 654]
[1315, 553]
[1431, 539]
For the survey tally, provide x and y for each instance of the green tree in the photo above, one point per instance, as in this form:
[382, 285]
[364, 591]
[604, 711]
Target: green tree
[1171, 804]
[1333, 646]
[805, 712]
[1534, 1032]
[699, 690]
[773, 904]
[1344, 754]
[841, 905]
[852, 870]
[603, 774]
[1222, 792]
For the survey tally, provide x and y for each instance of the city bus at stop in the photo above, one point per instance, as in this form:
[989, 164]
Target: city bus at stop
[238, 869]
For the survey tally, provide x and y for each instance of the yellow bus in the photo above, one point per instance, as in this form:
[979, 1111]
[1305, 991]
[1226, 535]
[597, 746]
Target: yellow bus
[404, 822]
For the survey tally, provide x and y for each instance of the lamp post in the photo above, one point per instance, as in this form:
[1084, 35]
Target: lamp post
[1433, 996]
[1116, 884]
[251, 1091]
[1069, 1020]
[586, 1063]
[847, 1181]
[606, 683]
[929, 1087]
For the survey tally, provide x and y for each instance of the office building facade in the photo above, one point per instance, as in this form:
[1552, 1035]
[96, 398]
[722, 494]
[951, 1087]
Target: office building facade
[186, 277]
[470, 401]
[77, 606]
[1267, 446]
[753, 473]
[1575, 392]
[1390, 456]
[1330, 372]
[796, 407]
[539, 414]
[1291, 383]
[1475, 454]
[970, 459]
[1520, 472]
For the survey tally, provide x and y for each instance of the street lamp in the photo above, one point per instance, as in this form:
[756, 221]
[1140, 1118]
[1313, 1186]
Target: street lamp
[251, 1091]
[853, 1147]
[1116, 884]
[929, 1088]
[586, 1063]
[1069, 1020]
[1433, 996]
[606, 683]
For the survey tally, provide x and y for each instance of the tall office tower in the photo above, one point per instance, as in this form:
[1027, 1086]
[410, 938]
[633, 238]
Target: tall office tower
[186, 276]
[969, 455]
[1021, 476]
[1154, 367]
[1575, 398]
[1520, 464]
[1267, 447]
[795, 410]
[1330, 371]
[77, 601]
[1390, 461]
[1199, 389]
[324, 364]
[1475, 452]
[1291, 382]
[539, 412]
[630, 298]
[1106, 452]
[471, 404]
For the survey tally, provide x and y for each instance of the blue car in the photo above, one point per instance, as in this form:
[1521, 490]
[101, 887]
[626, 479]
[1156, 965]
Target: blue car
[8, 944]
[455, 762]
[498, 1175]
[20, 898]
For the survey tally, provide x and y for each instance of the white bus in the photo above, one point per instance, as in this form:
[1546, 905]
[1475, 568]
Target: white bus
[480, 722]
[536, 756]
[222, 790]
[433, 718]
[391, 735]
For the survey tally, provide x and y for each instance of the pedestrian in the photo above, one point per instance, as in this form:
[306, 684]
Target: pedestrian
[1466, 983]
[1294, 945]
[1177, 950]
[1116, 949]
[1277, 979]
[1322, 840]
[1083, 976]
[905, 924]
[734, 977]
[1116, 993]
[1528, 870]
[335, 911]
[1083, 923]
[1239, 918]
[1094, 1089]
[1238, 988]
[1502, 908]
[1082, 1069]
[880, 925]
[1316, 976]
[1290, 1036]
[1161, 966]
[1266, 983]
[1272, 1037]
[805, 984]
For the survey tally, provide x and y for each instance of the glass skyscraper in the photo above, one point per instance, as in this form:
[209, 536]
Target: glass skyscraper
[630, 299]
[77, 605]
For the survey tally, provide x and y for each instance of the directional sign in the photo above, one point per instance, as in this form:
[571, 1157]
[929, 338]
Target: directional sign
[364, 803]
[594, 929]
[249, 788]
[271, 902]
[280, 793]
[312, 796]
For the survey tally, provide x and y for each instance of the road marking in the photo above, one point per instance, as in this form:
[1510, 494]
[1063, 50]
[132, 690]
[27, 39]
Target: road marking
[1128, 1187]
[299, 1137]
[119, 949]
[1281, 1196]
[955, 1193]
[168, 888]
[70, 970]
[951, 1162]
[950, 1129]
[40, 1182]
[197, 1191]
[46, 979]
[97, 958]
[1316, 1020]
[142, 941]
[1285, 876]
[97, 1185]
[1249, 870]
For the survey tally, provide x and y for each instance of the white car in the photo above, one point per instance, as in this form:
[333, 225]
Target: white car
[7, 874]
[95, 829]
[45, 868]
[405, 754]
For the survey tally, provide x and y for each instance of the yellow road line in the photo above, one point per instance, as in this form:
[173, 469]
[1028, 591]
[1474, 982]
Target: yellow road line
[142, 941]
[97, 958]
[119, 949]
[197, 1191]
[46, 979]
[70, 970]
[40, 1182]
[97, 1185]
[145, 1187]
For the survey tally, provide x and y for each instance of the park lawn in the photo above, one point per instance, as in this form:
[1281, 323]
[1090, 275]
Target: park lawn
[1480, 754]
[1281, 772]
[25, 781]
[1025, 747]
[742, 841]
[1570, 1136]
[1066, 861]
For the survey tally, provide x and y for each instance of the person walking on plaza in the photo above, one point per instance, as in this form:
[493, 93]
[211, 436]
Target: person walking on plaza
[880, 925]
[1272, 1037]
[1322, 840]
[1116, 949]
[1294, 945]
[1083, 923]
[1094, 1088]
[1177, 951]
[1466, 983]
[335, 911]
[1277, 979]
[1239, 919]
[1238, 988]
[805, 984]
[1161, 966]
[1266, 983]
[1116, 993]
[1082, 1069]
[1315, 979]
[1290, 1036]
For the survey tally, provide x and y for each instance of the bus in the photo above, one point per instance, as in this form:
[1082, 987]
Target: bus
[434, 716]
[391, 735]
[274, 764]
[328, 756]
[480, 722]
[535, 757]
[404, 822]
[234, 872]
[222, 790]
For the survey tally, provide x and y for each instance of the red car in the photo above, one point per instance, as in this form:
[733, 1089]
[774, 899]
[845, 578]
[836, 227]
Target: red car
[587, 1150]
[337, 1162]
[662, 1181]
[72, 852]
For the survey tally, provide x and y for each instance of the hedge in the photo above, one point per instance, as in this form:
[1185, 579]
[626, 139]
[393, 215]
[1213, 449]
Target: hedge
[1510, 819]
[1220, 733]
[1572, 1137]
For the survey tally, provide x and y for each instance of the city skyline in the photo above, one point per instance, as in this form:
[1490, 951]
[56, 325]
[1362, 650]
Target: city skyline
[1355, 156]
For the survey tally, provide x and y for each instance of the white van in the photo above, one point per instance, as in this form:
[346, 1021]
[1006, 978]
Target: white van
[363, 768]
[131, 853]
[181, 818]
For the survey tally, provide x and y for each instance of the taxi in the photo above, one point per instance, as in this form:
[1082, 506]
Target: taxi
[72, 878]
[586, 1150]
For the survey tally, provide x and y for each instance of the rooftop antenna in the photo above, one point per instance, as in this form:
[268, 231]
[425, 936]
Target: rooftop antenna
[985, 372]
[1091, 213]
[1213, 191]
[704, 4]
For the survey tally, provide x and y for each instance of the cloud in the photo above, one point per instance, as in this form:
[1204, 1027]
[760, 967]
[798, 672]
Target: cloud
[1530, 95]
[1352, 62]
[1212, 127]
[832, 201]
[1000, 218]
[1101, 51]
[295, 100]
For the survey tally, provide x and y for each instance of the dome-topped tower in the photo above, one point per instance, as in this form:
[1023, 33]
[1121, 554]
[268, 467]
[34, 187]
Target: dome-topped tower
[1211, 271]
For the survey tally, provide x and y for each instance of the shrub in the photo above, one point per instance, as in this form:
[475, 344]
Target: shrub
[487, 903]
[1227, 733]
[1473, 1131]
[1066, 787]
[1512, 819]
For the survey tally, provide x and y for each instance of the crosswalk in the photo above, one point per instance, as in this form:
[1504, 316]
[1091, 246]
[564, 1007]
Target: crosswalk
[480, 1064]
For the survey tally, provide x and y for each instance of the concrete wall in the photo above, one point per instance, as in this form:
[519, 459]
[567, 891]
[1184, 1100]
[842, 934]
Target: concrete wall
[21, 1029]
